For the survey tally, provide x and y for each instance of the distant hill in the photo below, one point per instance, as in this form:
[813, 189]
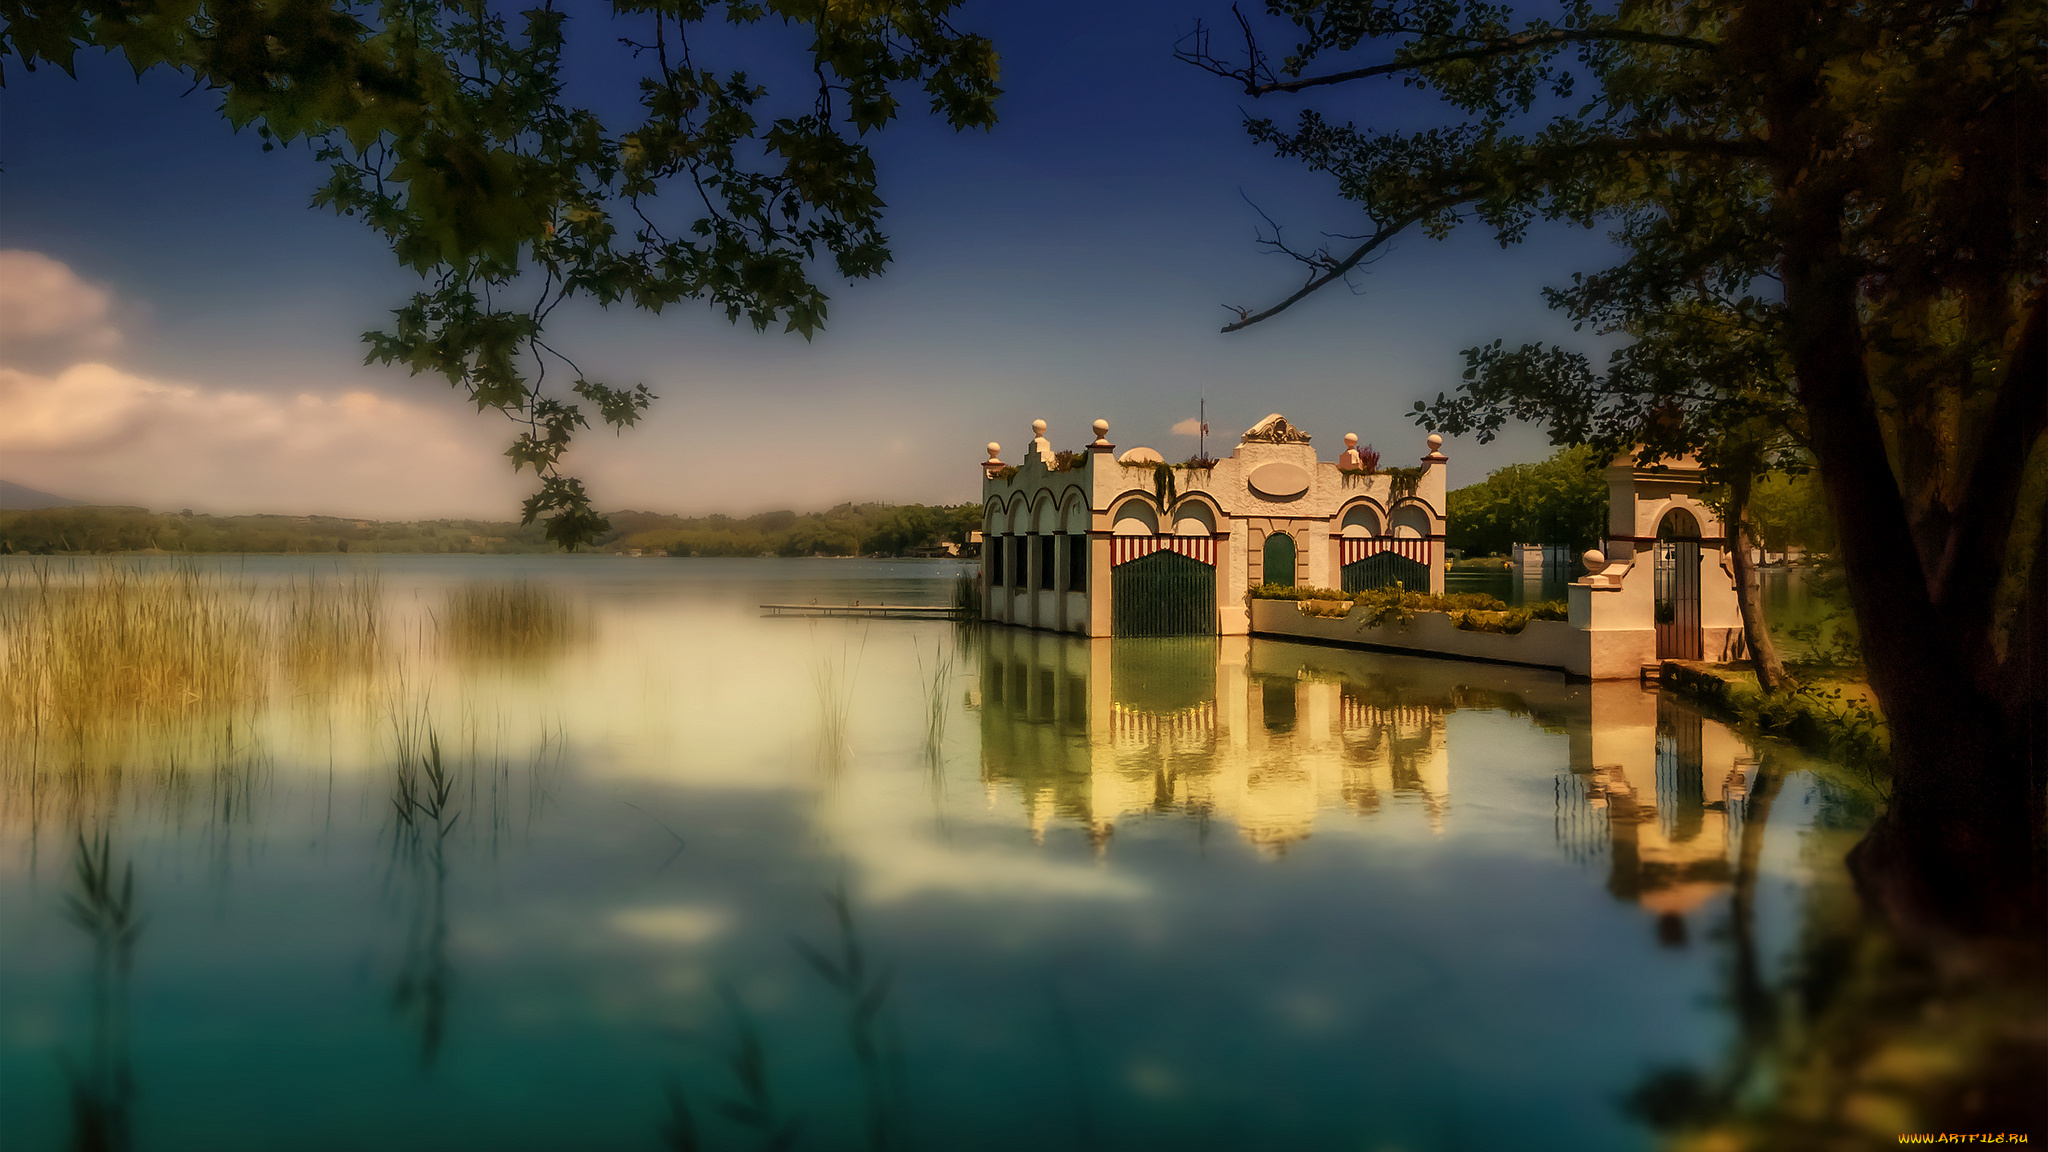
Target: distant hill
[20, 498]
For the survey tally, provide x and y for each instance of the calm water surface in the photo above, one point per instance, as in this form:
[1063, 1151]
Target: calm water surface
[1232, 895]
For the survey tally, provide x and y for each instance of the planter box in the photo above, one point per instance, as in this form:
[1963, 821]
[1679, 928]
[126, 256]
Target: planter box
[1543, 644]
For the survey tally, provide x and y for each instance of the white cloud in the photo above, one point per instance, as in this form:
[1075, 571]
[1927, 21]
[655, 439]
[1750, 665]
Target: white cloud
[673, 923]
[1188, 427]
[97, 432]
[44, 301]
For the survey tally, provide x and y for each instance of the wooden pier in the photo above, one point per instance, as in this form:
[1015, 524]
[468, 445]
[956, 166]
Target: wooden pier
[871, 611]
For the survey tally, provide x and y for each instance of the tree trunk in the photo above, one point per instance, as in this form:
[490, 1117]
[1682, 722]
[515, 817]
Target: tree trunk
[1958, 850]
[1754, 1006]
[1756, 631]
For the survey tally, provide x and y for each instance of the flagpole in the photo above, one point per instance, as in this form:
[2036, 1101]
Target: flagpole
[1202, 433]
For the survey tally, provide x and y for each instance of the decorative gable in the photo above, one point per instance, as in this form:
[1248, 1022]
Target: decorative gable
[1274, 429]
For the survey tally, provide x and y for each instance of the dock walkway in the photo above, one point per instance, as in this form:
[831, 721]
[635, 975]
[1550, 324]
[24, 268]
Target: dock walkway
[906, 611]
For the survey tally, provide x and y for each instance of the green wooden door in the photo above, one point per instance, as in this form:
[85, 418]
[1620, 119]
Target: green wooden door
[1164, 594]
[1280, 559]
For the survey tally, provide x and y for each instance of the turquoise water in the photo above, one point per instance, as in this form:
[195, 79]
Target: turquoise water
[1233, 894]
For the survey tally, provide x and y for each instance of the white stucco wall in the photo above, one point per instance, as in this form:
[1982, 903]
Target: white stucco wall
[1542, 644]
[1100, 493]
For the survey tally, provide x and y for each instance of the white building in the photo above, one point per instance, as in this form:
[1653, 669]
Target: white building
[1096, 544]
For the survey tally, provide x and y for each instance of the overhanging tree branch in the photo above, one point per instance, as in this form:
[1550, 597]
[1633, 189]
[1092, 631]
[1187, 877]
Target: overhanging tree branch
[1247, 318]
[1249, 74]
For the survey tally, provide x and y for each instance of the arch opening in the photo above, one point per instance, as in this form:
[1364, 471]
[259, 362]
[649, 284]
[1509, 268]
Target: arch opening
[1135, 517]
[1360, 520]
[1677, 586]
[1410, 523]
[1279, 559]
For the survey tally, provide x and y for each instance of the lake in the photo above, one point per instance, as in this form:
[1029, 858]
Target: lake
[547, 852]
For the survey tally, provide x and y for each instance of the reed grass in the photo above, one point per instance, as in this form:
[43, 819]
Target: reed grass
[935, 681]
[423, 791]
[101, 1087]
[120, 673]
[967, 596]
[832, 680]
[330, 630]
[863, 988]
[518, 621]
[121, 647]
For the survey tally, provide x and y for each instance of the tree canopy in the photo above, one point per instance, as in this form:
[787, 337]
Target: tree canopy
[1835, 224]
[1562, 500]
[451, 130]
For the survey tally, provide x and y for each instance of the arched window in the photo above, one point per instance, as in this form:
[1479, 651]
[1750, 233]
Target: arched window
[1280, 559]
[1678, 524]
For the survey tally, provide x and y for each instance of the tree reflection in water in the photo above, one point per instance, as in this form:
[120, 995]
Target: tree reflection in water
[102, 1086]
[1865, 1036]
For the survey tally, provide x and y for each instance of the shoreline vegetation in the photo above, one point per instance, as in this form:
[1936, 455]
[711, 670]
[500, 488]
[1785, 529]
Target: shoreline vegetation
[846, 530]
[106, 670]
[1829, 712]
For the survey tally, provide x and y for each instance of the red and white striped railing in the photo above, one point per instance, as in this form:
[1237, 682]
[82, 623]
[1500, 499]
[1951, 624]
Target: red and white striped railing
[1131, 725]
[1353, 549]
[1124, 549]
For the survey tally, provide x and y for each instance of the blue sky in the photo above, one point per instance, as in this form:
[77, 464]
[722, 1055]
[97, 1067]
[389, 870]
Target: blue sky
[1070, 265]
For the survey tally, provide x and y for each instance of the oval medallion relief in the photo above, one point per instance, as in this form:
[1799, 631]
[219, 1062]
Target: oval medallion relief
[1279, 481]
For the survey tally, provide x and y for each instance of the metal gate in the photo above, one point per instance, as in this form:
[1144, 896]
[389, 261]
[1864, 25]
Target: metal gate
[1384, 570]
[1681, 771]
[1163, 594]
[1678, 599]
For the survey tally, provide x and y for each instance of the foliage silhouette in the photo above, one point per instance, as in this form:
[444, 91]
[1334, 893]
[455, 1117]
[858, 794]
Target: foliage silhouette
[449, 128]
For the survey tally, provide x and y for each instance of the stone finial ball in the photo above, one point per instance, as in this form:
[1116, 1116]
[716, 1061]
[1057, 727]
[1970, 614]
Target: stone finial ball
[993, 448]
[1436, 442]
[1594, 560]
[1101, 428]
[1038, 427]
[1351, 439]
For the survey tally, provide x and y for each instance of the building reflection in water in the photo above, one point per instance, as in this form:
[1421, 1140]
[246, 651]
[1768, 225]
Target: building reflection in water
[1269, 737]
[1659, 794]
[1098, 731]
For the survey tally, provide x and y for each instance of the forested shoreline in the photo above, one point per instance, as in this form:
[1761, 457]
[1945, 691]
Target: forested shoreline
[1563, 500]
[845, 530]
